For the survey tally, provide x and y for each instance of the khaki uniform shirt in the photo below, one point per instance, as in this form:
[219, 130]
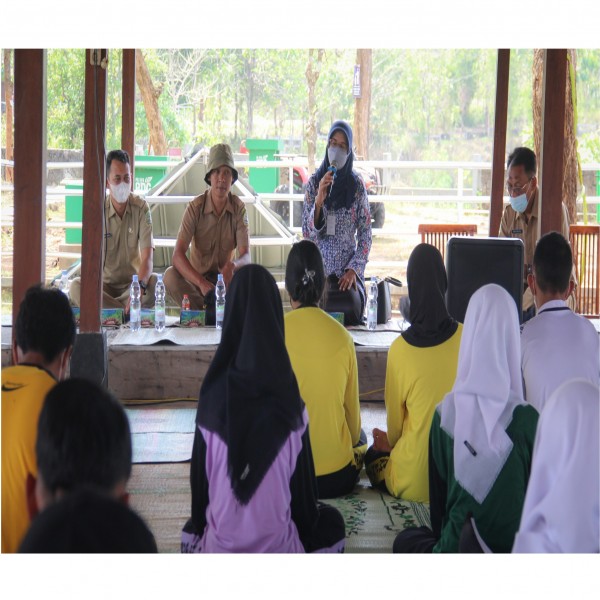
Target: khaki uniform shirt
[213, 238]
[515, 225]
[125, 237]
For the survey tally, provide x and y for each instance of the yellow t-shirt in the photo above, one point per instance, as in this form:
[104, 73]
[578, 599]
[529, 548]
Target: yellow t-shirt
[324, 361]
[416, 380]
[24, 388]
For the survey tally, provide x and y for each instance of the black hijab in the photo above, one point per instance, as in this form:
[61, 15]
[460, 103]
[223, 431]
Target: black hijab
[430, 323]
[250, 396]
[343, 191]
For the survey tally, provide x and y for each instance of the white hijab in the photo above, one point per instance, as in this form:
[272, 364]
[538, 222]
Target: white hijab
[561, 509]
[487, 389]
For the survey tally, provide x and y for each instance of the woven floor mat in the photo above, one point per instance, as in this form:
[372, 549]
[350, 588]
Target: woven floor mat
[374, 518]
[161, 494]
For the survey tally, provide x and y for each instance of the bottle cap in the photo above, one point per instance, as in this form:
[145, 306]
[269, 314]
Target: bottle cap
[135, 278]
[220, 277]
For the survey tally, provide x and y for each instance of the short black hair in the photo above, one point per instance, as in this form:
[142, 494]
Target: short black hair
[83, 438]
[305, 273]
[552, 263]
[45, 322]
[525, 157]
[88, 522]
[120, 155]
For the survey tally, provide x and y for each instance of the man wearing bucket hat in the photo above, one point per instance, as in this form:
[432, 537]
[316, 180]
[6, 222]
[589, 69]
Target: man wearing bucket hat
[216, 224]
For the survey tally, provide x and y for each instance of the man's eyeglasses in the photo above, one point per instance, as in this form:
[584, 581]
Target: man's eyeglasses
[516, 190]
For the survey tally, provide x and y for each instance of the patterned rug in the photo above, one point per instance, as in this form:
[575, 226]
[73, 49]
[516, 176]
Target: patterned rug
[374, 518]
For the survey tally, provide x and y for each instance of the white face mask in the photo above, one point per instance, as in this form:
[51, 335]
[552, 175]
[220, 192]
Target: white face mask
[121, 192]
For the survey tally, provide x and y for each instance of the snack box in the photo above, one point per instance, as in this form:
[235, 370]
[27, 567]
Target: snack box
[109, 317]
[192, 318]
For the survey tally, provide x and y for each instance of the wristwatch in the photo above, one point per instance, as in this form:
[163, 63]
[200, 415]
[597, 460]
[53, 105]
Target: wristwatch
[144, 286]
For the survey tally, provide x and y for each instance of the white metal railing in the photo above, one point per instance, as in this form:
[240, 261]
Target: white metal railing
[461, 197]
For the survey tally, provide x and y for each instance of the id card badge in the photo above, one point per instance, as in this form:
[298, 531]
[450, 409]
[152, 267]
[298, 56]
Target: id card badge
[330, 225]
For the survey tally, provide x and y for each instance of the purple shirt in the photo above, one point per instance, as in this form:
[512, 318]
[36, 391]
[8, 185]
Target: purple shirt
[264, 524]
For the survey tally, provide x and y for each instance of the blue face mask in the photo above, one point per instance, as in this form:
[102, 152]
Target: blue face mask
[337, 155]
[519, 203]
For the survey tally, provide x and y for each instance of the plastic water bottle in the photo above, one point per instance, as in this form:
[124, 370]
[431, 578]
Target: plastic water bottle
[135, 305]
[220, 301]
[185, 303]
[372, 305]
[159, 304]
[63, 284]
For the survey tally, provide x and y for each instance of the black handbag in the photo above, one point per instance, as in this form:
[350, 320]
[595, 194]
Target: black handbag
[384, 300]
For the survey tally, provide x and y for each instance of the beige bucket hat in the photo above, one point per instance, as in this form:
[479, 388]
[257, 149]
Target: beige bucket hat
[219, 155]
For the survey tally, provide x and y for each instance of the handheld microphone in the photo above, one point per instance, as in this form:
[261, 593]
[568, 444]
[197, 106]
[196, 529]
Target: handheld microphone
[333, 167]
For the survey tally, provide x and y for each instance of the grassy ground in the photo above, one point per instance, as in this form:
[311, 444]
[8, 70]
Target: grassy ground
[55, 211]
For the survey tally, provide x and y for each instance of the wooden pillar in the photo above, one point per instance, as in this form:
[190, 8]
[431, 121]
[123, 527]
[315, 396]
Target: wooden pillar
[29, 244]
[551, 169]
[128, 112]
[94, 190]
[499, 152]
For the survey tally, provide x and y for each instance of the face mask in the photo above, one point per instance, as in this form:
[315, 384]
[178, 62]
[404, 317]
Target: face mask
[519, 203]
[121, 192]
[338, 156]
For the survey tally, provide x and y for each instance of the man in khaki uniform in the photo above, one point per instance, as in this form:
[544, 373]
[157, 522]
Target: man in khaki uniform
[520, 217]
[216, 224]
[129, 246]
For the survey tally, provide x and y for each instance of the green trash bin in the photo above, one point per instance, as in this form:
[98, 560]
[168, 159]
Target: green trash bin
[264, 180]
[147, 174]
[73, 209]
[149, 170]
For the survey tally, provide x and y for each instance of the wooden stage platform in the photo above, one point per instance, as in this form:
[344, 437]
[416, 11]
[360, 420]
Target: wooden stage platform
[147, 366]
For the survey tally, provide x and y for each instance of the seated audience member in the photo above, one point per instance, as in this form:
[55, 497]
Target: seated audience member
[129, 246]
[482, 434]
[557, 344]
[252, 475]
[520, 218]
[215, 224]
[324, 361]
[83, 442]
[43, 341]
[336, 217]
[421, 368]
[86, 521]
[562, 506]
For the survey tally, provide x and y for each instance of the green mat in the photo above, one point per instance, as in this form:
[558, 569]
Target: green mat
[374, 518]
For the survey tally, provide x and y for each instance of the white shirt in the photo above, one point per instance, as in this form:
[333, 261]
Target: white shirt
[562, 505]
[557, 345]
